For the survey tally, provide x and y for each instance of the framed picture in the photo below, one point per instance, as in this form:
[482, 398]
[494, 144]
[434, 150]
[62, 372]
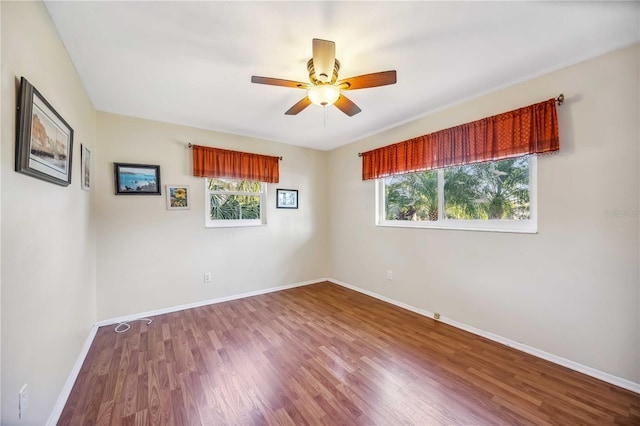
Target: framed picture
[85, 168]
[178, 197]
[44, 141]
[136, 179]
[287, 198]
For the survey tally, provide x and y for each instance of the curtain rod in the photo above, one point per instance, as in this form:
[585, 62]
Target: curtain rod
[190, 145]
[559, 101]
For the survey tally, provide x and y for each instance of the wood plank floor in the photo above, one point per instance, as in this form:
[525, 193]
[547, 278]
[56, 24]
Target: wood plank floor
[323, 354]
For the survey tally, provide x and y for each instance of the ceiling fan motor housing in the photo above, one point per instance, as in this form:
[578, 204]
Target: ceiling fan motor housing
[315, 80]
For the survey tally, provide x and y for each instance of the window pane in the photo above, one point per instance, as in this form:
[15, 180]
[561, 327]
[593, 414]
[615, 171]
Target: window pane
[250, 207]
[233, 185]
[412, 197]
[234, 207]
[495, 190]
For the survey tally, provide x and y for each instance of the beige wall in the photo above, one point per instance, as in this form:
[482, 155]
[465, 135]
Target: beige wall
[151, 258]
[67, 261]
[572, 289]
[48, 235]
[0, 228]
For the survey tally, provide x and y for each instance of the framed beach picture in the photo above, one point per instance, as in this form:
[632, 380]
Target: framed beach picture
[44, 141]
[85, 168]
[287, 198]
[178, 197]
[136, 179]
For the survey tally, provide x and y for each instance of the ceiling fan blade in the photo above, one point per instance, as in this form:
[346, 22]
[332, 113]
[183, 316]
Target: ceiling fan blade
[375, 79]
[345, 105]
[302, 104]
[324, 58]
[279, 82]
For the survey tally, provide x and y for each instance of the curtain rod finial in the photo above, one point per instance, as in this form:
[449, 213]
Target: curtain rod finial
[560, 99]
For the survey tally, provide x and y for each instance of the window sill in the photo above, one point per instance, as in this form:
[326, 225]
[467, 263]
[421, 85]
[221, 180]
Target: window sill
[509, 226]
[234, 224]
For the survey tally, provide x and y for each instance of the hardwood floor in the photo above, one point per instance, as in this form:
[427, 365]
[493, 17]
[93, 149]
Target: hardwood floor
[323, 354]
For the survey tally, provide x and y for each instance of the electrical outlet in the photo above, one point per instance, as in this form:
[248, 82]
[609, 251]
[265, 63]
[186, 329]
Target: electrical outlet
[207, 277]
[436, 315]
[390, 275]
[23, 401]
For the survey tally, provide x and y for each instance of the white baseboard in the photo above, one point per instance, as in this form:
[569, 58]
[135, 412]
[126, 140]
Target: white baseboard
[68, 386]
[601, 375]
[71, 380]
[204, 303]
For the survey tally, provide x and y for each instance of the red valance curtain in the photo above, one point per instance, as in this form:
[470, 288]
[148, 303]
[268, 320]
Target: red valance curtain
[529, 130]
[215, 162]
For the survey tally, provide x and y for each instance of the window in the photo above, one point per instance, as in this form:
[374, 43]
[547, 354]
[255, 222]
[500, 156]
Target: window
[232, 202]
[491, 196]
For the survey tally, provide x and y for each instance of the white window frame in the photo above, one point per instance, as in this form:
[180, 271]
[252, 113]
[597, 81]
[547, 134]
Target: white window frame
[529, 226]
[232, 223]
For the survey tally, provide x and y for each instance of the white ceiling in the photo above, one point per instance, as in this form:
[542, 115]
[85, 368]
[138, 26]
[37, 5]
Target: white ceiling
[191, 63]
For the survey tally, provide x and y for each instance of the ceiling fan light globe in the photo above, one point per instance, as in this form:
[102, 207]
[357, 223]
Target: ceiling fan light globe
[323, 94]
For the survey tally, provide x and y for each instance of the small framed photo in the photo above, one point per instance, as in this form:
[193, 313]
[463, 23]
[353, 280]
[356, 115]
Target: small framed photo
[136, 179]
[287, 198]
[178, 197]
[44, 141]
[85, 168]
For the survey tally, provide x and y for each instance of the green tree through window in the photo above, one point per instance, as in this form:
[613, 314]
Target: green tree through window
[412, 196]
[492, 191]
[234, 200]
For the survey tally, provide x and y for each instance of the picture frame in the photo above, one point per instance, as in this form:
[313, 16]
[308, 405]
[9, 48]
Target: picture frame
[287, 198]
[178, 197]
[85, 167]
[136, 179]
[44, 140]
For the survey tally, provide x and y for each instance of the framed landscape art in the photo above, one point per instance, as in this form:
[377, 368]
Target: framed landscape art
[44, 140]
[136, 179]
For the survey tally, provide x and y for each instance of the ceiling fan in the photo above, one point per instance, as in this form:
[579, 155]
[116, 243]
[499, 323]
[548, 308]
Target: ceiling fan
[324, 87]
